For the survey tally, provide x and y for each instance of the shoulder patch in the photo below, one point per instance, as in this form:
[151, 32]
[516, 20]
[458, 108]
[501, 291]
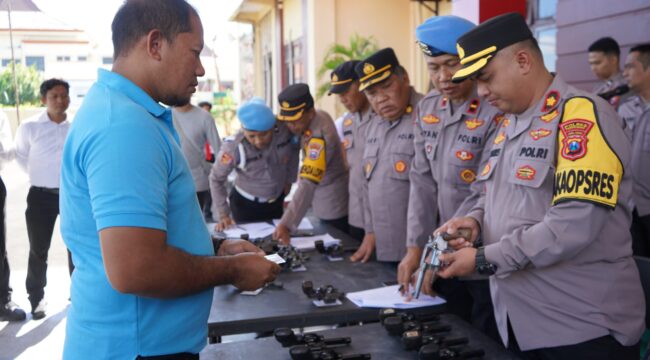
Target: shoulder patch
[313, 165]
[587, 168]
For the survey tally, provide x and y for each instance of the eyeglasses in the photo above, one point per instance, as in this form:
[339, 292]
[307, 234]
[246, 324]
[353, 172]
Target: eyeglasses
[429, 50]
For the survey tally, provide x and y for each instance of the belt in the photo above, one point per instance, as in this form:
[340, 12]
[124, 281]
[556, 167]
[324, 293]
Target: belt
[254, 198]
[54, 191]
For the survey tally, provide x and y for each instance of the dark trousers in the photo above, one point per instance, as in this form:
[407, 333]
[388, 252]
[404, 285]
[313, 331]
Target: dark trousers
[602, 348]
[340, 223]
[640, 234]
[202, 196]
[5, 289]
[245, 211]
[471, 301]
[41, 214]
[356, 233]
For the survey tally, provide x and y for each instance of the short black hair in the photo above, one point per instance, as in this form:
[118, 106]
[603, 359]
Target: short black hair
[205, 103]
[136, 18]
[49, 84]
[644, 54]
[606, 45]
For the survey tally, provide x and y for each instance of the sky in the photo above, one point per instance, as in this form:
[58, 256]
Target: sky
[95, 17]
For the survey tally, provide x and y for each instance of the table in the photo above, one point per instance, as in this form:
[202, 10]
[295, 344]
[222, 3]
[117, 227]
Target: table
[233, 313]
[369, 338]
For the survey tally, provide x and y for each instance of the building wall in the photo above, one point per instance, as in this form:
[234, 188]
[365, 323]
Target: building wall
[627, 21]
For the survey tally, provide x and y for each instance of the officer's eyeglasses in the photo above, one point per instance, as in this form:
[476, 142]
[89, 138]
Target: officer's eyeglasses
[429, 50]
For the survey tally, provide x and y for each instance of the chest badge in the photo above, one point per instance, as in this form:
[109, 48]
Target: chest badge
[539, 133]
[550, 116]
[347, 122]
[431, 119]
[486, 169]
[464, 155]
[400, 166]
[574, 144]
[468, 176]
[473, 123]
[499, 139]
[226, 159]
[525, 172]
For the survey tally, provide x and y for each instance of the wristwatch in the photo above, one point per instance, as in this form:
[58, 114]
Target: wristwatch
[482, 266]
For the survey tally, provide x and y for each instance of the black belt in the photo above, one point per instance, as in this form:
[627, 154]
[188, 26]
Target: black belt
[177, 356]
[54, 191]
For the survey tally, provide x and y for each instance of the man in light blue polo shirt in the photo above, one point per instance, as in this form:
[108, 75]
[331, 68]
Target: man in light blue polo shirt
[145, 270]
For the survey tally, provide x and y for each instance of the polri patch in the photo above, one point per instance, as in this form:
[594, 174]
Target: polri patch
[464, 155]
[574, 143]
[539, 133]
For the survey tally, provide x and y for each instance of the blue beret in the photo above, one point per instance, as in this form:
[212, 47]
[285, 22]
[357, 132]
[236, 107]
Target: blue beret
[438, 34]
[256, 116]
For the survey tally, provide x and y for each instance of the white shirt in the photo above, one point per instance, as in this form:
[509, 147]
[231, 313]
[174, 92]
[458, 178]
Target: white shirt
[39, 145]
[6, 142]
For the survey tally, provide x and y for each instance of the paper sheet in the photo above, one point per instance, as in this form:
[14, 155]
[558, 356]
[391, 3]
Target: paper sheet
[390, 297]
[307, 242]
[305, 224]
[254, 230]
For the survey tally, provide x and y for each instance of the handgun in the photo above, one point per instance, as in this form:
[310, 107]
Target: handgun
[434, 247]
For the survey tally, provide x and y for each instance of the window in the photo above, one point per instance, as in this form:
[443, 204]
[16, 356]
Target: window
[6, 62]
[107, 60]
[82, 58]
[268, 79]
[63, 58]
[37, 61]
[542, 23]
[294, 62]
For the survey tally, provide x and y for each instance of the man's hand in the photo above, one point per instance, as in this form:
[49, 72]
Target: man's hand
[459, 263]
[234, 247]
[407, 269]
[224, 223]
[252, 271]
[282, 234]
[366, 249]
[452, 226]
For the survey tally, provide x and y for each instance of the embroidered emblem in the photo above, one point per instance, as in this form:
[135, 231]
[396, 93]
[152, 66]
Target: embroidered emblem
[473, 123]
[525, 172]
[400, 166]
[468, 176]
[551, 100]
[539, 133]
[574, 144]
[368, 68]
[347, 122]
[431, 119]
[550, 116]
[464, 155]
[499, 139]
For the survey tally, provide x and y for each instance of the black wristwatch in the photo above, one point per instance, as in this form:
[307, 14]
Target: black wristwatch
[482, 266]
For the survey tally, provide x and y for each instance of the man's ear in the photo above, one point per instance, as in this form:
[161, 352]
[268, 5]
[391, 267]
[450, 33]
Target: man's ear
[43, 100]
[524, 60]
[154, 43]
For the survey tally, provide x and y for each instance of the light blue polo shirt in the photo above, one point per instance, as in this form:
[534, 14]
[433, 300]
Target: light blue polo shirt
[123, 166]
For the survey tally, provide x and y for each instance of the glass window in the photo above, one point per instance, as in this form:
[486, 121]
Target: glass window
[37, 61]
[82, 58]
[6, 62]
[546, 8]
[547, 42]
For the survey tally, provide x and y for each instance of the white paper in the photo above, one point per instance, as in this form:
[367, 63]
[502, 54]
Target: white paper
[254, 230]
[307, 242]
[390, 297]
[275, 258]
[305, 224]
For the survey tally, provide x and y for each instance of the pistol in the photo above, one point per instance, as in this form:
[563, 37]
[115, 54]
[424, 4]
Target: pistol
[434, 247]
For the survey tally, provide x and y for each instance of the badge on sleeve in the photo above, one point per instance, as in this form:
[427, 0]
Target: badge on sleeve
[226, 158]
[552, 98]
[313, 165]
[587, 168]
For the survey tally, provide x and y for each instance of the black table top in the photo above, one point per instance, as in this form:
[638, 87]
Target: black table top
[369, 338]
[233, 313]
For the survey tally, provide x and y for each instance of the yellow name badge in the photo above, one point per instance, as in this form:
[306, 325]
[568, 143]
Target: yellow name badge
[313, 165]
[587, 168]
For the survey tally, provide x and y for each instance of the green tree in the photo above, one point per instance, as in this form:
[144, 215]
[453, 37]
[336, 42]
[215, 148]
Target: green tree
[29, 81]
[359, 48]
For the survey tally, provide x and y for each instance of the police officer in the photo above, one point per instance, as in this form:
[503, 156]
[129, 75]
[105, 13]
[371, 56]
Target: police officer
[554, 213]
[323, 178]
[604, 59]
[637, 111]
[345, 84]
[388, 155]
[266, 162]
[452, 126]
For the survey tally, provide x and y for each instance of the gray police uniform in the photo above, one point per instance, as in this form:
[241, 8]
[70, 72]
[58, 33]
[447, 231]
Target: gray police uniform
[448, 150]
[554, 216]
[354, 139]
[611, 84]
[261, 174]
[387, 160]
[329, 197]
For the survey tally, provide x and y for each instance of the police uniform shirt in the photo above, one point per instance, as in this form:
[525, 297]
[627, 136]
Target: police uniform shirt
[387, 160]
[448, 150]
[326, 192]
[555, 219]
[637, 111]
[262, 173]
[611, 84]
[354, 139]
